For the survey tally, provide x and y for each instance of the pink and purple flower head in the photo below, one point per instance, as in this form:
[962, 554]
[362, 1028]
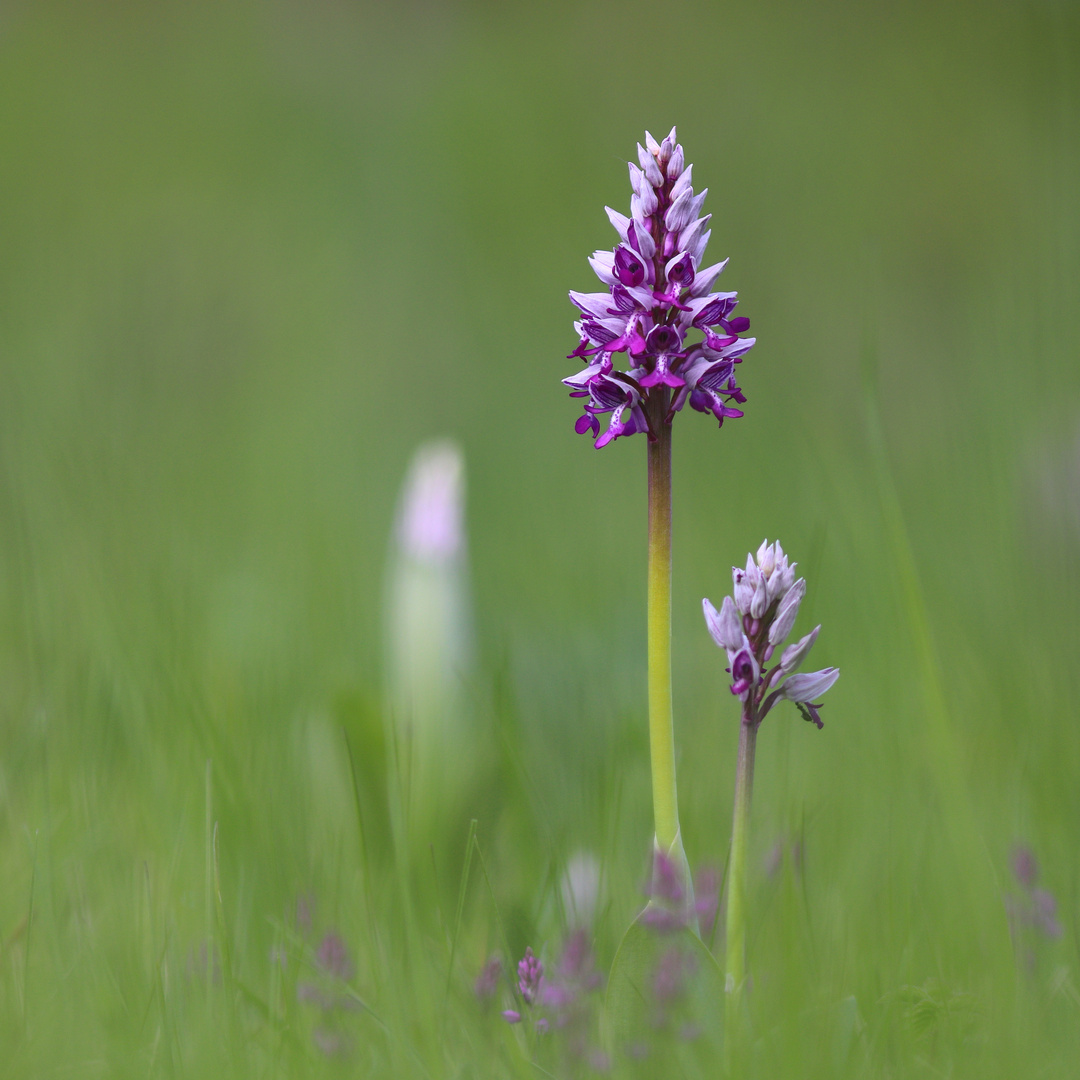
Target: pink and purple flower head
[750, 626]
[657, 305]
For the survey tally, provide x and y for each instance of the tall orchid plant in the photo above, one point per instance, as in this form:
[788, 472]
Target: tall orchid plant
[679, 344]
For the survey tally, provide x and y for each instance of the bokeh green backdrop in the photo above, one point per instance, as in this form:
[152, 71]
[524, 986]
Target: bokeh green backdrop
[252, 254]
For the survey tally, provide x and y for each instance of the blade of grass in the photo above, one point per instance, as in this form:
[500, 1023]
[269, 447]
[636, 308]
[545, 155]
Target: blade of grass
[462, 890]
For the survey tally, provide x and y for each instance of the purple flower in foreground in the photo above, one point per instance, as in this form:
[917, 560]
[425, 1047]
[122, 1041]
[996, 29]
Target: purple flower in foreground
[530, 976]
[531, 985]
[658, 294]
[1024, 865]
[333, 956]
[566, 1000]
[1038, 908]
[487, 981]
[750, 626]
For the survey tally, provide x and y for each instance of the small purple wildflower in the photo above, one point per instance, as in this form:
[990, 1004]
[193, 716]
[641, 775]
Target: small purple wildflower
[564, 1003]
[658, 293]
[1024, 866]
[535, 992]
[333, 956]
[530, 976]
[752, 624]
[487, 982]
[1038, 907]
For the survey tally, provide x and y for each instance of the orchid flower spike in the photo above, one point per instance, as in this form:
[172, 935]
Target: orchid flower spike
[657, 304]
[752, 623]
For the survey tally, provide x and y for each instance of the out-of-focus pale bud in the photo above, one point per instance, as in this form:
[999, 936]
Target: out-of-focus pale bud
[428, 617]
[580, 888]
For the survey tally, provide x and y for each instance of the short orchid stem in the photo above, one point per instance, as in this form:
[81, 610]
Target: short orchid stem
[661, 724]
[735, 967]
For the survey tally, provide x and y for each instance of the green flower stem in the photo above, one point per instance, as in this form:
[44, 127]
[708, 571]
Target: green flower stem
[736, 891]
[661, 726]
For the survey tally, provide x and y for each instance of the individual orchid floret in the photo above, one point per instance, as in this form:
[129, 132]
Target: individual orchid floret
[753, 622]
[678, 340]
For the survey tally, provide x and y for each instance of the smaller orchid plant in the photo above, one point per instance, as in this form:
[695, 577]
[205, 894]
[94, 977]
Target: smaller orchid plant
[750, 626]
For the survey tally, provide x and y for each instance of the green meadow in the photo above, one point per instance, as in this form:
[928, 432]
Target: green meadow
[252, 255]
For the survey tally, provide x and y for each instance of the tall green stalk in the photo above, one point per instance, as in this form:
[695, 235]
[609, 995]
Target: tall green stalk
[661, 724]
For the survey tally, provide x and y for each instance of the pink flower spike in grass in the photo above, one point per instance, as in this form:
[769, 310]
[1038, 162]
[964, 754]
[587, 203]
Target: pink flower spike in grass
[676, 341]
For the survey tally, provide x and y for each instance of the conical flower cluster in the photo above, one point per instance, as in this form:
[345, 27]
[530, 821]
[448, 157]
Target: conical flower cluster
[658, 302]
[752, 624]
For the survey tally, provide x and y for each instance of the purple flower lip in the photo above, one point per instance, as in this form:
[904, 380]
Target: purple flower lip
[629, 266]
[680, 270]
[657, 292]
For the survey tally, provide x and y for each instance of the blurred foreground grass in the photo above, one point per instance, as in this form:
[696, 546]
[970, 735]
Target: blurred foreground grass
[251, 255]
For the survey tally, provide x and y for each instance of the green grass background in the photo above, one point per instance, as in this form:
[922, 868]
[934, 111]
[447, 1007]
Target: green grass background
[252, 254]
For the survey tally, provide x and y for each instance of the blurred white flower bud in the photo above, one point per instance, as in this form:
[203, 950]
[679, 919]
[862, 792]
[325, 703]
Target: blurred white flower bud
[580, 888]
[428, 617]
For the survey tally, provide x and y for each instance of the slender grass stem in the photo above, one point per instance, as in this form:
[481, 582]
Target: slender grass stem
[735, 967]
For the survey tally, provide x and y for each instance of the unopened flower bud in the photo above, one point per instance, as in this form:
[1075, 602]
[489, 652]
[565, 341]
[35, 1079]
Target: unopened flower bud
[760, 603]
[766, 557]
[724, 625]
[785, 614]
[795, 654]
[744, 589]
